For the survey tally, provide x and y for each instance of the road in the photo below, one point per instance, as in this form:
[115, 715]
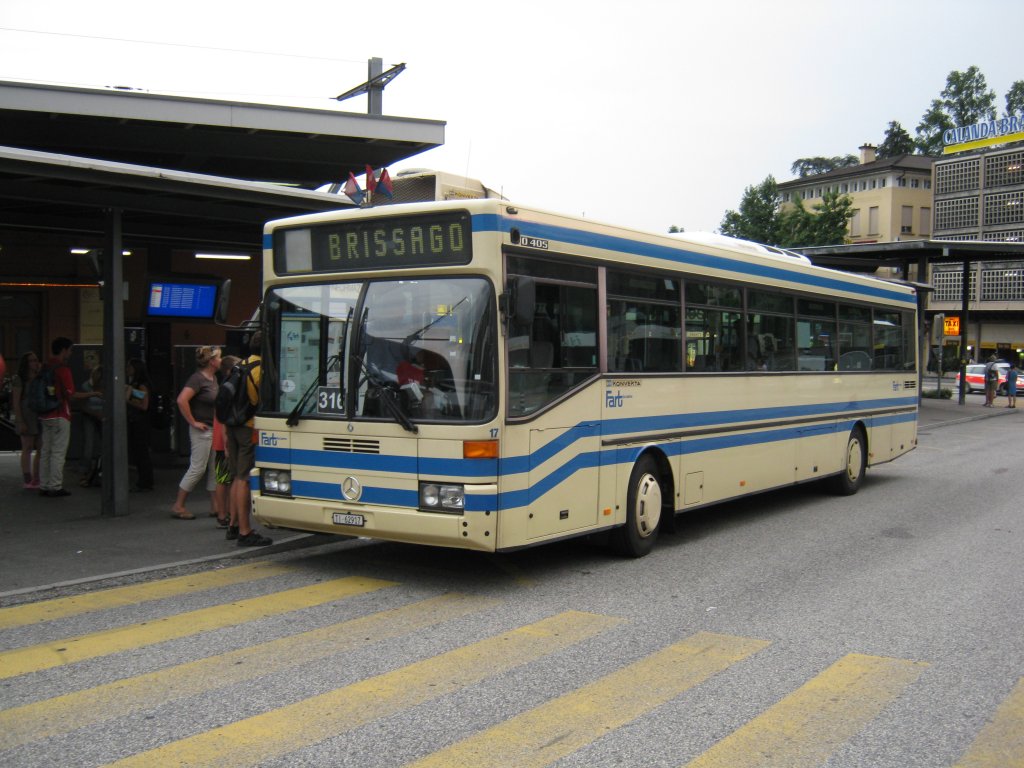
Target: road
[790, 629]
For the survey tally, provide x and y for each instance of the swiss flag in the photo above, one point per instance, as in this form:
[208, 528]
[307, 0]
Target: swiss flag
[384, 183]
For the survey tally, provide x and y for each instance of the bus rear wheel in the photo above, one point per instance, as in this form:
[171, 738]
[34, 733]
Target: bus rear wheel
[848, 482]
[643, 514]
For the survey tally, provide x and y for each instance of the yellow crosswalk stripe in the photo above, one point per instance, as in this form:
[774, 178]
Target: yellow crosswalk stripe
[551, 731]
[804, 728]
[59, 608]
[67, 651]
[1000, 744]
[278, 732]
[62, 714]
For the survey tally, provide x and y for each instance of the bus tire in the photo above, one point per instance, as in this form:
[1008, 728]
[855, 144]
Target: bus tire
[855, 461]
[643, 513]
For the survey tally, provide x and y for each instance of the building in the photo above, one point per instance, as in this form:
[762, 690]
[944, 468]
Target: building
[892, 198]
[975, 195]
[979, 197]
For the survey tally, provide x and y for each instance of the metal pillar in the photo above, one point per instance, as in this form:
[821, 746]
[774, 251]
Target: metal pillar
[965, 296]
[374, 91]
[115, 417]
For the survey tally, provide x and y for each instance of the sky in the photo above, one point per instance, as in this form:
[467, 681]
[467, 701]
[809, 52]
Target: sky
[646, 114]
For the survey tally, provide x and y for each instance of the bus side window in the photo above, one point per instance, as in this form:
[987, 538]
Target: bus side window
[546, 354]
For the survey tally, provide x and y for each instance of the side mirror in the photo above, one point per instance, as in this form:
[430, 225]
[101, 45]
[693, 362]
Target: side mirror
[223, 303]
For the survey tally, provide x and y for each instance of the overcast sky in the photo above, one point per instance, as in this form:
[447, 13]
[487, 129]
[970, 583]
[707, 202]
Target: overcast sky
[643, 113]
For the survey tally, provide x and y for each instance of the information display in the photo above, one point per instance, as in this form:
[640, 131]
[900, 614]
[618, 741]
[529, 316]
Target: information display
[181, 300]
[434, 239]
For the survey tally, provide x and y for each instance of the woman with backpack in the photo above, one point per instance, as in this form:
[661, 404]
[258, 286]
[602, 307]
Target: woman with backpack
[138, 394]
[26, 419]
[196, 405]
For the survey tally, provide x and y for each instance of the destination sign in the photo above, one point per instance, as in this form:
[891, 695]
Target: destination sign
[428, 240]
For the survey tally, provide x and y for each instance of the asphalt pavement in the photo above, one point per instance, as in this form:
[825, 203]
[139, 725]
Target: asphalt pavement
[50, 543]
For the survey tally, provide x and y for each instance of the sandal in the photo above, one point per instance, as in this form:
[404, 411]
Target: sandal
[183, 515]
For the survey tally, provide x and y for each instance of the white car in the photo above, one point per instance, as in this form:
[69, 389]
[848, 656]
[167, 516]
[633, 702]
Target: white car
[976, 378]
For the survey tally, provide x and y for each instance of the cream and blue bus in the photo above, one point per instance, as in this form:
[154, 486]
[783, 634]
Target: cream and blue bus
[487, 376]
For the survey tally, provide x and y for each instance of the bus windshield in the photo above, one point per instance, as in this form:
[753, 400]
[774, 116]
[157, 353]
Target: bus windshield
[421, 350]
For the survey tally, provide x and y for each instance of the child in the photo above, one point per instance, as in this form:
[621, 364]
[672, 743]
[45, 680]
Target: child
[221, 496]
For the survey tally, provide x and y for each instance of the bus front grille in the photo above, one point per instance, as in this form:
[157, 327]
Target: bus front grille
[351, 445]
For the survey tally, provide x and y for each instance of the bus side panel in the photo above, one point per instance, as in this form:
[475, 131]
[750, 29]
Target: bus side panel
[890, 436]
[550, 476]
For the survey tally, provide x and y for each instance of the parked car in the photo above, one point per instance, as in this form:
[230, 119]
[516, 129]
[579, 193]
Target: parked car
[976, 378]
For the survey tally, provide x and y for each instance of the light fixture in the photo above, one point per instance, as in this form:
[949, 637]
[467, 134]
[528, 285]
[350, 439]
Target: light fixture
[225, 256]
[87, 251]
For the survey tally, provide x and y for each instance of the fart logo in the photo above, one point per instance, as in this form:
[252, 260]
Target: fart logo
[270, 440]
[615, 398]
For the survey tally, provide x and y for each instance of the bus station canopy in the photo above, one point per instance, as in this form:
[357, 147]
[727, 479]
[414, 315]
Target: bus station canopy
[67, 154]
[866, 257]
[261, 142]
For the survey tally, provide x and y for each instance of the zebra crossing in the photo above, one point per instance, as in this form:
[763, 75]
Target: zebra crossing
[805, 727]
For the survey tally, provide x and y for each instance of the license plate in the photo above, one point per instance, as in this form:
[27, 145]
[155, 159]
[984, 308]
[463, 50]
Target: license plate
[342, 519]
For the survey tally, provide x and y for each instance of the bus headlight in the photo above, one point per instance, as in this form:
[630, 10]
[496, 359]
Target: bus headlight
[438, 497]
[276, 481]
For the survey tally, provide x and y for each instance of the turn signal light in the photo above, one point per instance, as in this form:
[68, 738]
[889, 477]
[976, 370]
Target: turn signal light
[480, 449]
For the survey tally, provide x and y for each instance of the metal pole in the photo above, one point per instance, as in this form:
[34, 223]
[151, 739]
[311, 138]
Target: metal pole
[115, 417]
[374, 92]
[965, 295]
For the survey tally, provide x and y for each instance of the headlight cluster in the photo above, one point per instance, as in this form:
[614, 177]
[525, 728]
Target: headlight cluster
[436, 497]
[276, 481]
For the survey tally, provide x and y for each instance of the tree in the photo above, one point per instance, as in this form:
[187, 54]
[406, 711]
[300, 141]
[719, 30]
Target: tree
[965, 100]
[1015, 99]
[896, 142]
[758, 215]
[812, 166]
[674, 230]
[760, 218]
[831, 219]
[800, 228]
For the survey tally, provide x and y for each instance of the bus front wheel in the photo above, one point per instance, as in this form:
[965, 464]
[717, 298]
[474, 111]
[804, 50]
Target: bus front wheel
[848, 482]
[643, 514]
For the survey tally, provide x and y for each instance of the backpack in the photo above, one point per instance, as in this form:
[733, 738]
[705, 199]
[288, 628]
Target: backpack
[39, 397]
[232, 406]
[992, 372]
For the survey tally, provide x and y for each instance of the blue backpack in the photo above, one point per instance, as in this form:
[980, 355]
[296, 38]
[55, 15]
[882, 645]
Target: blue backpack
[42, 392]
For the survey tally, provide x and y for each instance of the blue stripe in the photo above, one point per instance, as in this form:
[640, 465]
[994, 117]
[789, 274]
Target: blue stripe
[582, 461]
[268, 242]
[494, 223]
[514, 465]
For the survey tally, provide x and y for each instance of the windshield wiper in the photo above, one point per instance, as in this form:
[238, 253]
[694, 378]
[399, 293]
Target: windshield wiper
[387, 395]
[296, 414]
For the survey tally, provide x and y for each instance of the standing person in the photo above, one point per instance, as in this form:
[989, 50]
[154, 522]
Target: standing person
[91, 419]
[1011, 386]
[222, 496]
[196, 405]
[991, 381]
[242, 458]
[56, 424]
[138, 393]
[27, 419]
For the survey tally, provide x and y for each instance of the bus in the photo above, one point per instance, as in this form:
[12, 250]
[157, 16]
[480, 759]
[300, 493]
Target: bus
[482, 375]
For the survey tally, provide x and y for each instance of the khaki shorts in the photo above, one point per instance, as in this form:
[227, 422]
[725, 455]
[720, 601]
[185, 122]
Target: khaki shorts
[241, 457]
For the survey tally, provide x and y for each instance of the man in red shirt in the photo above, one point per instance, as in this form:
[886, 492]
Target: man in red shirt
[56, 424]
